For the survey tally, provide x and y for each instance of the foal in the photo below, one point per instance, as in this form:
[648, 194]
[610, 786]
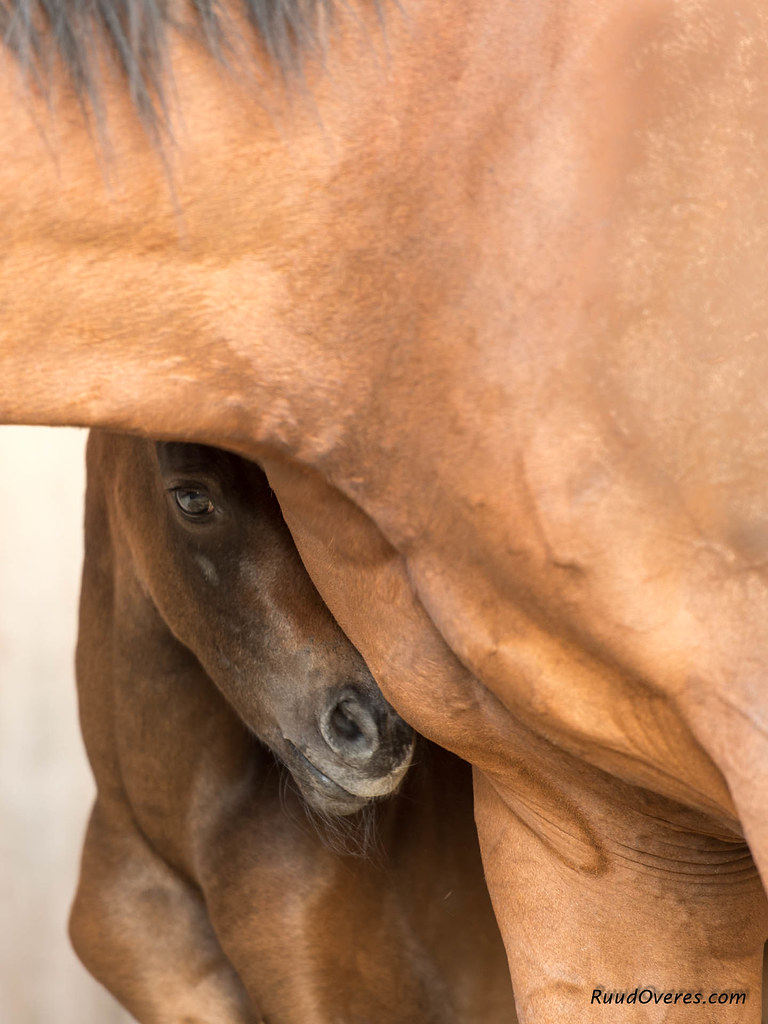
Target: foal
[207, 895]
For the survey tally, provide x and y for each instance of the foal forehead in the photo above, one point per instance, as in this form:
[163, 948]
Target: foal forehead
[179, 457]
[181, 462]
[175, 456]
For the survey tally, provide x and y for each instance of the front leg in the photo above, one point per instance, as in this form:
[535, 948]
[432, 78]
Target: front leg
[600, 888]
[143, 931]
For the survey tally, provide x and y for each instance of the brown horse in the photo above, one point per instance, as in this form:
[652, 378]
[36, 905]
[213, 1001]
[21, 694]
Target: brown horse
[206, 893]
[483, 289]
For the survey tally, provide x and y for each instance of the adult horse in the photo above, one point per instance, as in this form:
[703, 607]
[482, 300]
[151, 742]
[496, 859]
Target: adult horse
[205, 893]
[483, 291]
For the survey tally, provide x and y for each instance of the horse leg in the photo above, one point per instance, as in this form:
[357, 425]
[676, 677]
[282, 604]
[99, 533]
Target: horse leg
[607, 894]
[143, 931]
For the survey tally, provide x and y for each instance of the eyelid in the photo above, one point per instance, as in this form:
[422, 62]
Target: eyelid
[189, 484]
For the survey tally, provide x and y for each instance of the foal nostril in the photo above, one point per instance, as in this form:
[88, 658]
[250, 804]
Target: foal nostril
[350, 729]
[344, 724]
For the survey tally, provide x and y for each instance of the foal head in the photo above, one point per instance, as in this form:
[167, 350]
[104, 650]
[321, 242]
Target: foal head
[211, 551]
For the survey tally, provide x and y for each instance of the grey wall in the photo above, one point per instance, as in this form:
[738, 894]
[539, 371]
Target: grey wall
[45, 783]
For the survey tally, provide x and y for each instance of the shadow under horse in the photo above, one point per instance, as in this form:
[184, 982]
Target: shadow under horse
[268, 842]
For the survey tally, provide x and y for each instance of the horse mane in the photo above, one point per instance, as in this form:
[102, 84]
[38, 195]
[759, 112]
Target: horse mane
[44, 34]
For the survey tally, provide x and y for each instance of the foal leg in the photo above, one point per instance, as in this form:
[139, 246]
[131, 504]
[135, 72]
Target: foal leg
[143, 931]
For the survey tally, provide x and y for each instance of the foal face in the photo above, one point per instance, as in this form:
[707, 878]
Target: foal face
[209, 544]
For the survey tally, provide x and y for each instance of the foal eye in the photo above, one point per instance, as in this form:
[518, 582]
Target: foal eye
[193, 503]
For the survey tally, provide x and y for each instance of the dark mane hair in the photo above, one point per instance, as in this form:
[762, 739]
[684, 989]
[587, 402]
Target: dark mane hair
[43, 34]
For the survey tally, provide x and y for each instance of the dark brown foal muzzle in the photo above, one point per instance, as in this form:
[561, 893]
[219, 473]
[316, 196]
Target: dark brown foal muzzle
[360, 753]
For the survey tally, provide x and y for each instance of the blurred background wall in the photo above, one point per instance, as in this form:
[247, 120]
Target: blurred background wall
[45, 783]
